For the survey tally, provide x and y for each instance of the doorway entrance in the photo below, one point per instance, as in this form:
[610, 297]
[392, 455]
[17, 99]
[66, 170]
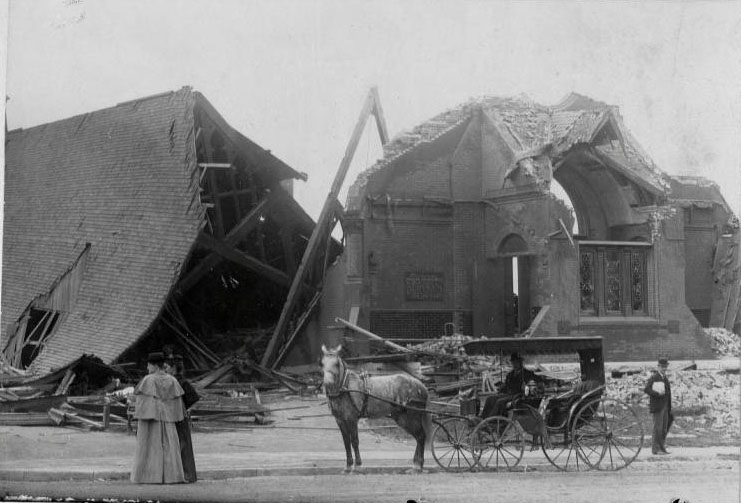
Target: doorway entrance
[516, 264]
[517, 295]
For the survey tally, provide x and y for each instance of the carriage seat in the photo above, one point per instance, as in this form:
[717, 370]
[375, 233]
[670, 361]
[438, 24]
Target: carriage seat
[560, 407]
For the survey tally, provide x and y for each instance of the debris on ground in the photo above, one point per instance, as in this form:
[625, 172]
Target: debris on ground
[724, 342]
[91, 395]
[701, 399]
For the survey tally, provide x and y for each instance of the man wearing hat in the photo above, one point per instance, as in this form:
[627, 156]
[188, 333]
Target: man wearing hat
[660, 406]
[514, 383]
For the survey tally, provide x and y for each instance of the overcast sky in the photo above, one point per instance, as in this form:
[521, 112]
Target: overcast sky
[292, 75]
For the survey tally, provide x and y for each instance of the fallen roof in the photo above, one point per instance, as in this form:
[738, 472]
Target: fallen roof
[527, 127]
[696, 190]
[120, 188]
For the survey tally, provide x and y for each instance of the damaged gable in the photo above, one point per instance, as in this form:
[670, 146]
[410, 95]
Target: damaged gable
[517, 128]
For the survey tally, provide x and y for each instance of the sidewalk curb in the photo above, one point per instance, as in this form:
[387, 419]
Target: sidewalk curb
[48, 476]
[221, 474]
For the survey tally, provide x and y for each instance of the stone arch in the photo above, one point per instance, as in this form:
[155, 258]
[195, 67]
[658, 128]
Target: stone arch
[513, 244]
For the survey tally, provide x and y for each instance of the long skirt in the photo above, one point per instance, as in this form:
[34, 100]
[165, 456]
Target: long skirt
[186, 450]
[157, 459]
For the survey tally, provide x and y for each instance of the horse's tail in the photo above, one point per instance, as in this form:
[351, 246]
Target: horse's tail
[427, 426]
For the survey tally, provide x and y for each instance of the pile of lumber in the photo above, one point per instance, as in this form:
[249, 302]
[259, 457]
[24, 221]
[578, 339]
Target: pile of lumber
[95, 396]
[445, 345]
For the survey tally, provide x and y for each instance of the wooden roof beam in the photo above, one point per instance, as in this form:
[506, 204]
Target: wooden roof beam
[243, 259]
[239, 232]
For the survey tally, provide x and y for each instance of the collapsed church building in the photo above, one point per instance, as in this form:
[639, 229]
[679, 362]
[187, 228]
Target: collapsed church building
[149, 223]
[458, 225]
[155, 222]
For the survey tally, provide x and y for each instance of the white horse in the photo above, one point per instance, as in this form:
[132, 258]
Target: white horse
[351, 396]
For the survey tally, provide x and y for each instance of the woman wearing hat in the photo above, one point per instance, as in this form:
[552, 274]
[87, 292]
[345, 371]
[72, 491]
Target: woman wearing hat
[174, 366]
[660, 405]
[159, 406]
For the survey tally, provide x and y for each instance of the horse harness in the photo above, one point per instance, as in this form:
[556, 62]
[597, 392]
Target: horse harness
[345, 374]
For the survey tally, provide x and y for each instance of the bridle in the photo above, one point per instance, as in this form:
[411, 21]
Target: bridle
[341, 383]
[341, 376]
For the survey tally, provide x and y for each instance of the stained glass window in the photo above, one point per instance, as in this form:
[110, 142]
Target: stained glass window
[636, 281]
[613, 280]
[586, 283]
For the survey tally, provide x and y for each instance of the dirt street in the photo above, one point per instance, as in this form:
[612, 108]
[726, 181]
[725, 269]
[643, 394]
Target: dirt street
[713, 481]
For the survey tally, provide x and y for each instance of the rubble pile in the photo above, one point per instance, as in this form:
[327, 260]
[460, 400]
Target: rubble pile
[701, 399]
[447, 344]
[724, 342]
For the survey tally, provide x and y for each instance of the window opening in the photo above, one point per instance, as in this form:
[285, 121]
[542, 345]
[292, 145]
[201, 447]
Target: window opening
[33, 332]
[613, 280]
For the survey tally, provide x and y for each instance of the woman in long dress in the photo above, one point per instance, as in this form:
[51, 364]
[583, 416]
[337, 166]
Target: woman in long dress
[159, 406]
[174, 366]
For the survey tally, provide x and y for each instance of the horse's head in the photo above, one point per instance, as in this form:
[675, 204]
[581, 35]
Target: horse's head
[333, 368]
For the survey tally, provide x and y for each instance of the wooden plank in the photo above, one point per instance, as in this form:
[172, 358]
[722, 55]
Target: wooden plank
[190, 342]
[55, 414]
[69, 376]
[196, 342]
[286, 236]
[299, 326]
[25, 419]
[214, 376]
[36, 404]
[373, 336]
[321, 227]
[247, 261]
[380, 118]
[219, 224]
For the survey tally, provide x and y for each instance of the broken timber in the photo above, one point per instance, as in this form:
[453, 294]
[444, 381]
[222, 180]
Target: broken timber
[329, 212]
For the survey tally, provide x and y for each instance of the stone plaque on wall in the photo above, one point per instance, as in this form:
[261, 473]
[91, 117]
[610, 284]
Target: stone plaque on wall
[424, 286]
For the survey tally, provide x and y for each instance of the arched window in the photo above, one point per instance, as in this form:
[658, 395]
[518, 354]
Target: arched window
[513, 245]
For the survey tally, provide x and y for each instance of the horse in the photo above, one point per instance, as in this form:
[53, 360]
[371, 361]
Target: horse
[351, 396]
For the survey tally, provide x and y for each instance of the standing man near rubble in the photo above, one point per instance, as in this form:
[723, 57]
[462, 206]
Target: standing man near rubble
[660, 406]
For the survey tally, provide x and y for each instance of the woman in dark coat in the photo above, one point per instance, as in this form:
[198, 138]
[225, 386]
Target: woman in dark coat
[174, 366]
[159, 406]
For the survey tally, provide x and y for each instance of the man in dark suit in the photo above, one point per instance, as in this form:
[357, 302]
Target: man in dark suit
[513, 386]
[660, 406]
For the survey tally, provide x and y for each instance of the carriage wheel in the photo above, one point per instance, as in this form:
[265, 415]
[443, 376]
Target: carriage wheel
[451, 445]
[499, 443]
[562, 453]
[608, 434]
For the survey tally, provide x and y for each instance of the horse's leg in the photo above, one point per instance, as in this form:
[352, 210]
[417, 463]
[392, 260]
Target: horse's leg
[412, 422]
[355, 443]
[346, 439]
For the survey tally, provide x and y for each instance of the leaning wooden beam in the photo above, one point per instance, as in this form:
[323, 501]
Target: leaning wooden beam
[248, 223]
[380, 119]
[214, 376]
[299, 326]
[370, 107]
[247, 261]
[373, 336]
[191, 341]
[69, 376]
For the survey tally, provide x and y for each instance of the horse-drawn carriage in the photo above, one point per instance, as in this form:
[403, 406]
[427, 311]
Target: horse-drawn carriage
[566, 412]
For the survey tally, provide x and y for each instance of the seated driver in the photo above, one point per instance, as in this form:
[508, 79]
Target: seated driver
[514, 383]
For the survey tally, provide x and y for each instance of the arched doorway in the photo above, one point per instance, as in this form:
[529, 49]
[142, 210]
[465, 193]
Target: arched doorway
[516, 258]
